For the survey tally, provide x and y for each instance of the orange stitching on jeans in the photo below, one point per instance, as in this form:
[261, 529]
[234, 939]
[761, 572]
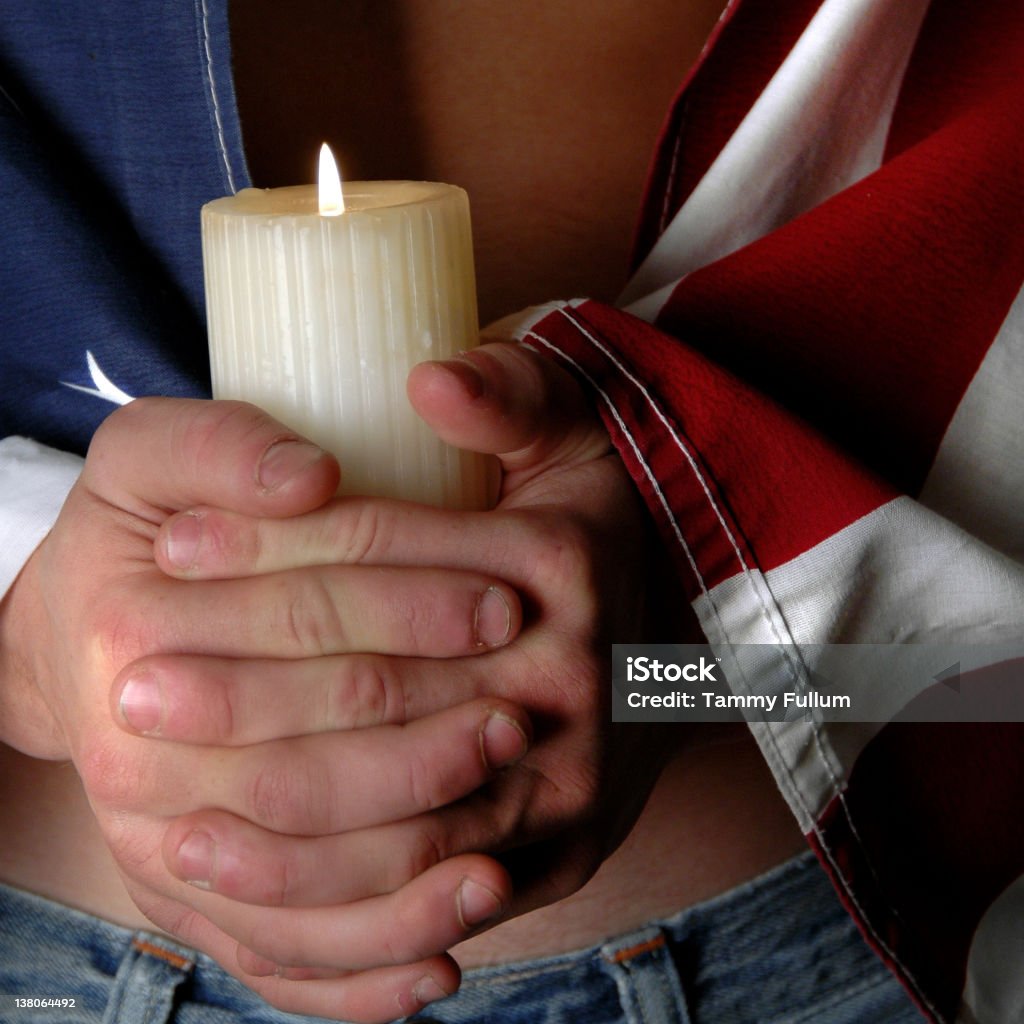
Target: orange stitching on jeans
[182, 963]
[644, 947]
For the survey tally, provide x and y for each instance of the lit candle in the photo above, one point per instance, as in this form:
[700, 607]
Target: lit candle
[319, 302]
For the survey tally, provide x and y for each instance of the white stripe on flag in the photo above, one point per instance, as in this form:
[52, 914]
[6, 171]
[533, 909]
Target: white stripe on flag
[819, 126]
[901, 574]
[994, 993]
[977, 478]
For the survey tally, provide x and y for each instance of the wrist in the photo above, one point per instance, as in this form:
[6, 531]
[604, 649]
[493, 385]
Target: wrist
[26, 722]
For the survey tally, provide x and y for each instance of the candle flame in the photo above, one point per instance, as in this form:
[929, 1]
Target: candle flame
[332, 202]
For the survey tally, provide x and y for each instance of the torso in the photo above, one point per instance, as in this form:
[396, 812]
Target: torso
[715, 819]
[546, 112]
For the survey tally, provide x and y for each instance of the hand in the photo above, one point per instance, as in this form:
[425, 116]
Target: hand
[91, 604]
[569, 534]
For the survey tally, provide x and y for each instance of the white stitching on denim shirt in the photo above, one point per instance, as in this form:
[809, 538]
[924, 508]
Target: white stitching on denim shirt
[208, 56]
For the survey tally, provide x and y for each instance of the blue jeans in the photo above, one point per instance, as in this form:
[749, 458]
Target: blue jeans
[777, 949]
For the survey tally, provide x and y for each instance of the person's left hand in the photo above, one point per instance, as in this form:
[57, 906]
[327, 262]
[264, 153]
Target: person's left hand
[570, 535]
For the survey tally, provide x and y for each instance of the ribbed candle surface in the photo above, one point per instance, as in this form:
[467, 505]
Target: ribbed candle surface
[318, 320]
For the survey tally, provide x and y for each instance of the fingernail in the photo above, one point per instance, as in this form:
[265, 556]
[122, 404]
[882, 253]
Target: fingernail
[502, 741]
[196, 857]
[142, 704]
[492, 622]
[426, 990]
[476, 903]
[285, 460]
[468, 375]
[183, 540]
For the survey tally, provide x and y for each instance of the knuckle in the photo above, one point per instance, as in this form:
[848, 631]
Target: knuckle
[282, 881]
[424, 852]
[264, 939]
[202, 427]
[174, 918]
[579, 790]
[126, 419]
[111, 775]
[392, 947]
[310, 618]
[584, 687]
[282, 796]
[399, 938]
[271, 875]
[508, 816]
[121, 634]
[361, 695]
[131, 850]
[417, 626]
[562, 551]
[359, 531]
[229, 539]
[214, 713]
[424, 785]
[425, 621]
[571, 683]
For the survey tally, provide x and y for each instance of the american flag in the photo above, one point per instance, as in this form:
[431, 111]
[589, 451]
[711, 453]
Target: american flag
[816, 379]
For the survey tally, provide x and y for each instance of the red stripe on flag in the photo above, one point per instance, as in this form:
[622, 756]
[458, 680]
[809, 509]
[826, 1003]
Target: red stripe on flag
[707, 452]
[869, 315]
[965, 53]
[744, 52]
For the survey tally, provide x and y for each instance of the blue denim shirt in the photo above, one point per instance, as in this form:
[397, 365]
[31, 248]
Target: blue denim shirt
[117, 122]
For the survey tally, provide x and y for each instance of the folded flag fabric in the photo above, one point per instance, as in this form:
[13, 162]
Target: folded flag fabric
[816, 378]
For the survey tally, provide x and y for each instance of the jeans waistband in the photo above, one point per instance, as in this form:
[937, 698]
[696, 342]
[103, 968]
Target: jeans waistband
[773, 949]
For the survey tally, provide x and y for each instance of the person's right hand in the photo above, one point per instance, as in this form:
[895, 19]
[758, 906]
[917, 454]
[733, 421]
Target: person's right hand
[92, 601]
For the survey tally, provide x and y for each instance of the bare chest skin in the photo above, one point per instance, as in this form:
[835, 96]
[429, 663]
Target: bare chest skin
[546, 111]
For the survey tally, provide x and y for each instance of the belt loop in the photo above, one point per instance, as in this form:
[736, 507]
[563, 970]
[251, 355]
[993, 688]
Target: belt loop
[146, 982]
[645, 974]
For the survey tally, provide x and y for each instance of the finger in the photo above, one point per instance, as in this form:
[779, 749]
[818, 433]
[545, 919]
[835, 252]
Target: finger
[319, 785]
[232, 702]
[369, 997]
[348, 531]
[509, 401]
[331, 610]
[518, 812]
[212, 543]
[429, 915]
[167, 453]
[219, 852]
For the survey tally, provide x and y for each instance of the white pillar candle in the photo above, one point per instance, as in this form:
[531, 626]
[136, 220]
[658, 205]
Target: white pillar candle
[318, 319]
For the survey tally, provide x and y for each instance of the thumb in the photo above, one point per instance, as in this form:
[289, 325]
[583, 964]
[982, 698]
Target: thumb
[170, 454]
[505, 400]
